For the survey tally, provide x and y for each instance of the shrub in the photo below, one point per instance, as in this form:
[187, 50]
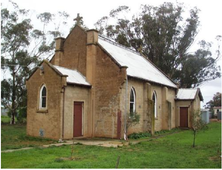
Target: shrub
[22, 113]
[139, 135]
[132, 119]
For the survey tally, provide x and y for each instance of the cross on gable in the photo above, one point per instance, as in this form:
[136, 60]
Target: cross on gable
[78, 19]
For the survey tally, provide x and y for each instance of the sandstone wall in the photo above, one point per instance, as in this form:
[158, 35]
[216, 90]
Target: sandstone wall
[179, 104]
[48, 121]
[73, 53]
[109, 78]
[76, 94]
[144, 91]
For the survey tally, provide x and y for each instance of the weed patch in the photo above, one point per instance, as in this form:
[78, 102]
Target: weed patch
[139, 135]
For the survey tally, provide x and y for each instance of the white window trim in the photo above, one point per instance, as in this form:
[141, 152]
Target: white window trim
[40, 100]
[155, 104]
[134, 97]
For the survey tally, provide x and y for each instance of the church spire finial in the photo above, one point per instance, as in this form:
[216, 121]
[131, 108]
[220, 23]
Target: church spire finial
[78, 20]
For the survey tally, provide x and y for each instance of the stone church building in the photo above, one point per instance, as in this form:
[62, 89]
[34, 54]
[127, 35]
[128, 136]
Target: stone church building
[92, 83]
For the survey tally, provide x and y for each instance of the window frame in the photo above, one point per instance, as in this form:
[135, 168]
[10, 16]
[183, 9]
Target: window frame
[132, 91]
[41, 98]
[154, 98]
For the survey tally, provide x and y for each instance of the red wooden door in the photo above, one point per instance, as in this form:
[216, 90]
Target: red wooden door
[184, 117]
[77, 122]
[119, 125]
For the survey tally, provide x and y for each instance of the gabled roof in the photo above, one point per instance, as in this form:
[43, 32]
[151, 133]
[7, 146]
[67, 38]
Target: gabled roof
[138, 66]
[188, 94]
[73, 76]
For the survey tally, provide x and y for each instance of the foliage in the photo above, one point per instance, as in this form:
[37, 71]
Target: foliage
[148, 134]
[139, 135]
[197, 124]
[22, 47]
[164, 36]
[5, 120]
[166, 131]
[216, 101]
[22, 114]
[172, 151]
[132, 119]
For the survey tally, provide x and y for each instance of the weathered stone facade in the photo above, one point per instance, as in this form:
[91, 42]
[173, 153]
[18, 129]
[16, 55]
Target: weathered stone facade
[108, 82]
[46, 120]
[76, 94]
[165, 119]
[105, 101]
[192, 105]
[71, 52]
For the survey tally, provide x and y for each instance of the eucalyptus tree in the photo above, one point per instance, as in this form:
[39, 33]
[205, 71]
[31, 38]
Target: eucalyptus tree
[214, 102]
[165, 37]
[22, 47]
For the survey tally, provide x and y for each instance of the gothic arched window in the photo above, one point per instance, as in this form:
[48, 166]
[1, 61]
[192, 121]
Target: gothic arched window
[154, 98]
[43, 98]
[132, 100]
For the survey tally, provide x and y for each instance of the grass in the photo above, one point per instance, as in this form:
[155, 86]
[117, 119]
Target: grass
[146, 135]
[6, 119]
[172, 151]
[14, 137]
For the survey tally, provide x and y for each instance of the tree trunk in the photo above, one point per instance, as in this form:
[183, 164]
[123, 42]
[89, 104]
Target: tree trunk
[13, 100]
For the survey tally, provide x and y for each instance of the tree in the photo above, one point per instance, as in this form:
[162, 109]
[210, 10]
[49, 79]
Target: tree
[198, 67]
[215, 102]
[132, 119]
[164, 36]
[15, 38]
[21, 48]
[197, 125]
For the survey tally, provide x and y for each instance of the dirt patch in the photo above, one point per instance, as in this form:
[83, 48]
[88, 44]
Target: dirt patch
[215, 120]
[215, 158]
[67, 159]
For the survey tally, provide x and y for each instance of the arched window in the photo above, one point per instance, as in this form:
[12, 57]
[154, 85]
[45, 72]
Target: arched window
[132, 100]
[43, 97]
[154, 98]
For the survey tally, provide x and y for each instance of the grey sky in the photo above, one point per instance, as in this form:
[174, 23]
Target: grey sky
[91, 11]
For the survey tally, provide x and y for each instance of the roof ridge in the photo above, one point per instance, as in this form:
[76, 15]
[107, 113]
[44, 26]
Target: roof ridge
[112, 41]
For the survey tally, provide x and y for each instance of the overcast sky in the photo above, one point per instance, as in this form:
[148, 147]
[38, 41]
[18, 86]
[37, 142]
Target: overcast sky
[93, 10]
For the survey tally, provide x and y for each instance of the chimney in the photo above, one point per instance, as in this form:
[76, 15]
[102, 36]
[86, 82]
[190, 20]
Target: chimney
[92, 36]
[59, 44]
[58, 50]
[91, 53]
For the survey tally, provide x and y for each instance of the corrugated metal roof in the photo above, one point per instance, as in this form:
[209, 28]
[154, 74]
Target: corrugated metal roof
[186, 94]
[74, 76]
[137, 65]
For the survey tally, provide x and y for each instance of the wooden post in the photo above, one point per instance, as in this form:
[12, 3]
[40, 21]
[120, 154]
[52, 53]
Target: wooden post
[117, 163]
